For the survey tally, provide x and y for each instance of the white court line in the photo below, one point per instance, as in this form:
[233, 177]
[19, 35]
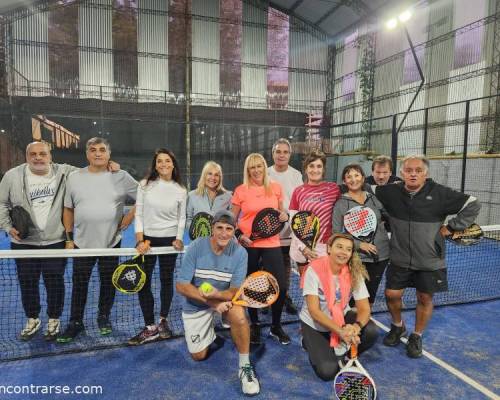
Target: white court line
[476, 385]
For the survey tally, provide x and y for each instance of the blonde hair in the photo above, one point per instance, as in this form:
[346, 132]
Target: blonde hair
[356, 267]
[250, 161]
[200, 187]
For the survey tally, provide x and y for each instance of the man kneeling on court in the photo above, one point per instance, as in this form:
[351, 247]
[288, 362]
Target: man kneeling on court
[222, 263]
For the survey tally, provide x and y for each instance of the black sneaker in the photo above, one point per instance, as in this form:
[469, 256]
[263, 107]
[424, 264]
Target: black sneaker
[164, 330]
[396, 333]
[144, 336]
[289, 306]
[278, 333]
[73, 329]
[414, 346]
[255, 334]
[104, 325]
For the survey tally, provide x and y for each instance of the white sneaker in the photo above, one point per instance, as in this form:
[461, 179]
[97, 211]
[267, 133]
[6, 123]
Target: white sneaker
[250, 385]
[53, 328]
[32, 327]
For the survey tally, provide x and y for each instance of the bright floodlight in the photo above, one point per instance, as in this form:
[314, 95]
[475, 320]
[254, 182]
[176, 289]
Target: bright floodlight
[391, 24]
[405, 16]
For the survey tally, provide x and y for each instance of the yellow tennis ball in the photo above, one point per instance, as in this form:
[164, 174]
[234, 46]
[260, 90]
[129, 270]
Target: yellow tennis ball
[206, 287]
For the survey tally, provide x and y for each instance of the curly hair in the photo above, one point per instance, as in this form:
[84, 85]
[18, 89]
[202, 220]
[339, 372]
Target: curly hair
[356, 267]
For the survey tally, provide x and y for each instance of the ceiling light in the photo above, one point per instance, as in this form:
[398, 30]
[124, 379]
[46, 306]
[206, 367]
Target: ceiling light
[392, 23]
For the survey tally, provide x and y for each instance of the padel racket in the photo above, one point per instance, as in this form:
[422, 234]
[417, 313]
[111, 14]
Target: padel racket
[259, 290]
[361, 222]
[468, 237]
[305, 226]
[129, 276]
[266, 224]
[201, 225]
[353, 382]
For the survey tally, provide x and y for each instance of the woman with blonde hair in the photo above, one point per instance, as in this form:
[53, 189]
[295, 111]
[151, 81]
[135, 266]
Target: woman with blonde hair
[209, 195]
[256, 193]
[329, 326]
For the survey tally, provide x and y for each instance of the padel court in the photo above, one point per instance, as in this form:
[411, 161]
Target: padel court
[460, 362]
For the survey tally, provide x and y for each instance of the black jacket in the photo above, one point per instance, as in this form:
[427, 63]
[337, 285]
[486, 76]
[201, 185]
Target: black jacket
[416, 219]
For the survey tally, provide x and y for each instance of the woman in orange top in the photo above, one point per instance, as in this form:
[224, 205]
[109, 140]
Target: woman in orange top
[256, 193]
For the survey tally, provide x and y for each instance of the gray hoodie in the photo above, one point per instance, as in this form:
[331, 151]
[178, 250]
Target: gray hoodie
[381, 240]
[13, 192]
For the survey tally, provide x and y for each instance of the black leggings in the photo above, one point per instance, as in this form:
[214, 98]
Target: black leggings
[28, 274]
[375, 271]
[167, 266]
[272, 262]
[285, 251]
[82, 271]
[322, 357]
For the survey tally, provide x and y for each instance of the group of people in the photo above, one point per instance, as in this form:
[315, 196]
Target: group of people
[340, 276]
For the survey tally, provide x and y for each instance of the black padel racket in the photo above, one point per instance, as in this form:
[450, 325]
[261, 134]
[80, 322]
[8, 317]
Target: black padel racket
[305, 226]
[353, 382]
[468, 237]
[361, 222]
[266, 224]
[201, 225]
[259, 290]
[129, 276]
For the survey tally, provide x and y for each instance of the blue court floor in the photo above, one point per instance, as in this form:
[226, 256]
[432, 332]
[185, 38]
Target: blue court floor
[463, 337]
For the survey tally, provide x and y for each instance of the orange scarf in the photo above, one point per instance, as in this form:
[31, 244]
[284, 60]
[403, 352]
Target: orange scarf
[322, 268]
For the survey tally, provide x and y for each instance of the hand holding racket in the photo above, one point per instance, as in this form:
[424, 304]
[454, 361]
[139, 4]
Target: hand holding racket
[361, 222]
[268, 222]
[305, 226]
[468, 237]
[353, 382]
[259, 290]
[143, 246]
[201, 226]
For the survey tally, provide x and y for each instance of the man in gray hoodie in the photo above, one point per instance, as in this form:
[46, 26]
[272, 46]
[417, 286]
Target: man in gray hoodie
[418, 208]
[38, 187]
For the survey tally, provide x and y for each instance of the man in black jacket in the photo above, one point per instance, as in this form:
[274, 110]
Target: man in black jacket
[417, 209]
[382, 172]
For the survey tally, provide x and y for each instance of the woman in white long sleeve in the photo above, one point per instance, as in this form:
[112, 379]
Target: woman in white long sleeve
[160, 218]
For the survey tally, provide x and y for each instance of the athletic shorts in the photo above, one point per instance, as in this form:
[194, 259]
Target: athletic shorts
[424, 281]
[199, 329]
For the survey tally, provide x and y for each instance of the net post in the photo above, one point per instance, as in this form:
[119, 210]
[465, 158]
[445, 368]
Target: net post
[394, 141]
[466, 138]
[426, 133]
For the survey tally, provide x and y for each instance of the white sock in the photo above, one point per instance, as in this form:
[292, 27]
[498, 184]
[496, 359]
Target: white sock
[151, 327]
[244, 360]
[398, 324]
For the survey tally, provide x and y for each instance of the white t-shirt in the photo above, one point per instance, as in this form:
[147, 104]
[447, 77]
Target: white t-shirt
[41, 192]
[289, 180]
[161, 209]
[312, 286]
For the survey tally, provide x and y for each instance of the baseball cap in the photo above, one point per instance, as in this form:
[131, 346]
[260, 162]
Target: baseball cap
[225, 217]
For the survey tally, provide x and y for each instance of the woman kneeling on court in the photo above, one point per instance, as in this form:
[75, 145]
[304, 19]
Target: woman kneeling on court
[329, 326]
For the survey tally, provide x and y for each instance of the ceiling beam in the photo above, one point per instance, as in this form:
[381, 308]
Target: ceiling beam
[296, 5]
[329, 12]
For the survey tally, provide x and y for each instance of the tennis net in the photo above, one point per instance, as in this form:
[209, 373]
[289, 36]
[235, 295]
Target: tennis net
[473, 275]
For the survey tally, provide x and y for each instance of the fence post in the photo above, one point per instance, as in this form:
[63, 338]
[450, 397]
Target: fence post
[426, 120]
[394, 142]
[466, 138]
